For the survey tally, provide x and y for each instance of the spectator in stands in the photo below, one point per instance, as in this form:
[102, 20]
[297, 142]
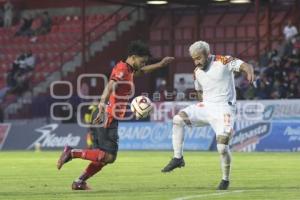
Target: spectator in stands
[8, 13]
[25, 27]
[289, 31]
[19, 75]
[278, 90]
[274, 55]
[28, 63]
[181, 90]
[263, 90]
[11, 77]
[295, 57]
[272, 69]
[250, 93]
[40, 26]
[46, 24]
[242, 87]
[264, 58]
[161, 90]
[292, 92]
[36, 23]
[296, 42]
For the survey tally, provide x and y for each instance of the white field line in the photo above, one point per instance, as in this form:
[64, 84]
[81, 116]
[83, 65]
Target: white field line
[207, 195]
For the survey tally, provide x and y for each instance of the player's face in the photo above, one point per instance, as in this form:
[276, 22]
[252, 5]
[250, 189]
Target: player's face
[139, 61]
[200, 59]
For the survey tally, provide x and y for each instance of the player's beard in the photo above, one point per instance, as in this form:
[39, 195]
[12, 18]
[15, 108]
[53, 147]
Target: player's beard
[204, 65]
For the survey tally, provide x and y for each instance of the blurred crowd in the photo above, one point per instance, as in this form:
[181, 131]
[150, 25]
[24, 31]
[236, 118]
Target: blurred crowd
[277, 72]
[28, 24]
[32, 26]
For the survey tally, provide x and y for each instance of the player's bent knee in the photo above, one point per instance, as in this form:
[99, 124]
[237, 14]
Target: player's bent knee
[178, 120]
[184, 118]
[222, 148]
[109, 158]
[223, 139]
[222, 144]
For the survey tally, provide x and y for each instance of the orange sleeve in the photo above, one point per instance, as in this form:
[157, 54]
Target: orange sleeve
[224, 59]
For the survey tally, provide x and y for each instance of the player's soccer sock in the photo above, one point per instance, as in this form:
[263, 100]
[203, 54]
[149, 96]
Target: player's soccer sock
[226, 166]
[177, 137]
[95, 155]
[91, 170]
[225, 160]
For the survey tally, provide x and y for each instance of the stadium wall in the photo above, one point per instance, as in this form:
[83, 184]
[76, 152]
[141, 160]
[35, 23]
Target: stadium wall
[260, 126]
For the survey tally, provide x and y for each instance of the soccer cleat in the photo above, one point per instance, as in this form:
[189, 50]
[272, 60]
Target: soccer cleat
[223, 185]
[80, 185]
[64, 157]
[174, 163]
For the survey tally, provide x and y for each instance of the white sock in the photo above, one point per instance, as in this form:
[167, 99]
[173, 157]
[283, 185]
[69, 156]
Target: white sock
[177, 136]
[225, 160]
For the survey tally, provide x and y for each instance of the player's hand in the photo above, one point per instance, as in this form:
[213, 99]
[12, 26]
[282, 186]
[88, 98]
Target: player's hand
[250, 75]
[166, 60]
[249, 72]
[100, 116]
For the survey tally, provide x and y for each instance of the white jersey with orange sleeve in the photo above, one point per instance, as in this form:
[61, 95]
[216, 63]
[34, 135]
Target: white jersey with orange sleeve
[217, 80]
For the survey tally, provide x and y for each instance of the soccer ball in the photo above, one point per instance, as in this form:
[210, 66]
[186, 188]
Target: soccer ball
[141, 106]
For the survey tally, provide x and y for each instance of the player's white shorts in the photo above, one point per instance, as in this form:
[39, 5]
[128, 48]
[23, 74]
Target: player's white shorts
[220, 117]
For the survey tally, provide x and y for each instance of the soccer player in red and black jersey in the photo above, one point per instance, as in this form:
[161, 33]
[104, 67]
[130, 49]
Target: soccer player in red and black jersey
[111, 109]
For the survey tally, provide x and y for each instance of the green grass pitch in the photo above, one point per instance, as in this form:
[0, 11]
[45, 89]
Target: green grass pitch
[136, 176]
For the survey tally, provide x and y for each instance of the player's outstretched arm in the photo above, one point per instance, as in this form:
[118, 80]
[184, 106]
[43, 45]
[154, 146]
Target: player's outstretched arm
[248, 69]
[164, 62]
[103, 101]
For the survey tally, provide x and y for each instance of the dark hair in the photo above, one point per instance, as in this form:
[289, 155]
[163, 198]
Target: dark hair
[138, 48]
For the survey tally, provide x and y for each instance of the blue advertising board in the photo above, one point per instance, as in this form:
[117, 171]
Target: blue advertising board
[282, 137]
[158, 135]
[260, 126]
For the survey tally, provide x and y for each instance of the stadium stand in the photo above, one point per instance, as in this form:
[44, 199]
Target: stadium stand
[230, 31]
[59, 51]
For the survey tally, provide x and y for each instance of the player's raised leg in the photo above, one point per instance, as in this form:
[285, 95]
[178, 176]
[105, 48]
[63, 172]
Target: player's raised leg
[179, 121]
[192, 115]
[69, 153]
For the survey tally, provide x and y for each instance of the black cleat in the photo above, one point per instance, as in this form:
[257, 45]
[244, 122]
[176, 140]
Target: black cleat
[174, 163]
[80, 185]
[223, 185]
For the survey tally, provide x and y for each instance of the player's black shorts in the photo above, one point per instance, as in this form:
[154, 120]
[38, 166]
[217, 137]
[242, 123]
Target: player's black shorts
[107, 139]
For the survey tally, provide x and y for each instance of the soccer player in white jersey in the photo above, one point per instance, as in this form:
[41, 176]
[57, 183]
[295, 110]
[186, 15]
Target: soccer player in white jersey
[214, 83]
